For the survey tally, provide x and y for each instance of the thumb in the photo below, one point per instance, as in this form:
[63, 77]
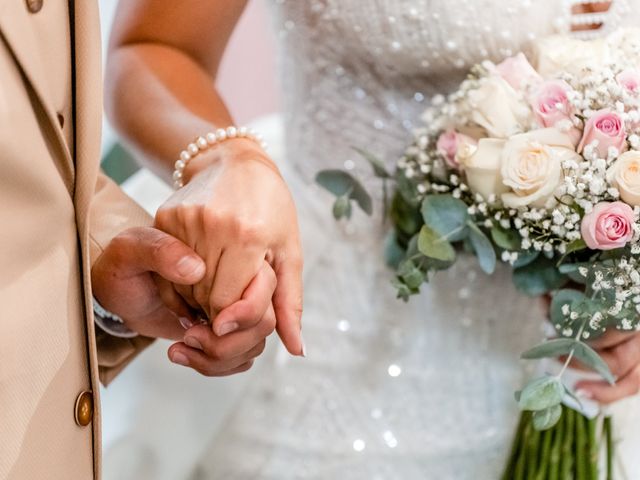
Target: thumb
[287, 302]
[147, 249]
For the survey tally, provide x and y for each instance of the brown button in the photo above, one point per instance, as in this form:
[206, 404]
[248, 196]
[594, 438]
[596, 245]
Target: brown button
[84, 409]
[34, 6]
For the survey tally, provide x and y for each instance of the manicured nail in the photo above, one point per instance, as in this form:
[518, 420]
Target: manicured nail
[180, 359]
[189, 265]
[304, 347]
[186, 322]
[584, 394]
[193, 342]
[226, 328]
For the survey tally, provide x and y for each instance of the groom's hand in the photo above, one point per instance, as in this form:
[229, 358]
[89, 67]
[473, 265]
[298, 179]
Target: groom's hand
[124, 280]
[130, 279]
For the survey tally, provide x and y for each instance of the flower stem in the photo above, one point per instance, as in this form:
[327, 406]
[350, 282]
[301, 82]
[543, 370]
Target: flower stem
[609, 443]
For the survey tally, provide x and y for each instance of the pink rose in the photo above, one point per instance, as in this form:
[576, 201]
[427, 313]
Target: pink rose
[550, 103]
[607, 128]
[629, 79]
[518, 72]
[608, 226]
[448, 144]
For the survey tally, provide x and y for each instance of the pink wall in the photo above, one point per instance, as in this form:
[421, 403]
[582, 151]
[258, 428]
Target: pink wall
[248, 75]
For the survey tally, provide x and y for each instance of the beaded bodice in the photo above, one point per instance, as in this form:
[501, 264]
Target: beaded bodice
[360, 72]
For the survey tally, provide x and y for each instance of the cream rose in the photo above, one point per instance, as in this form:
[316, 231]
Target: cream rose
[482, 168]
[531, 166]
[559, 53]
[497, 108]
[624, 174]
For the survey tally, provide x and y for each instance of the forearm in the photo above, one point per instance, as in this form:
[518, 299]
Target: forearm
[159, 99]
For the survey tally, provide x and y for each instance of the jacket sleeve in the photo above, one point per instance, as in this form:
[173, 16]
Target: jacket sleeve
[112, 211]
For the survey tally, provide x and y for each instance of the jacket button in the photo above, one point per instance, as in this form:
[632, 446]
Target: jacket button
[34, 6]
[84, 409]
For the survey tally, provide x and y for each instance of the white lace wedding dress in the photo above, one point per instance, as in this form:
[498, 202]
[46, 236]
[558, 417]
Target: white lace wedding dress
[389, 390]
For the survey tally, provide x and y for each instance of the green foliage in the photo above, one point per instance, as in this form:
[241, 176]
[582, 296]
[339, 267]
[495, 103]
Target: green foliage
[547, 418]
[405, 217]
[525, 258]
[410, 274]
[393, 251]
[570, 297]
[379, 170]
[550, 349]
[590, 358]
[506, 239]
[538, 278]
[342, 207]
[445, 215]
[435, 246]
[483, 248]
[541, 393]
[342, 184]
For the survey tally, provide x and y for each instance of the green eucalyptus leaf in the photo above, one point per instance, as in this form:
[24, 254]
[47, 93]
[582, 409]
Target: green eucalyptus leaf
[541, 393]
[434, 245]
[590, 358]
[547, 418]
[570, 297]
[405, 217]
[483, 248]
[550, 349]
[538, 278]
[403, 290]
[412, 276]
[341, 183]
[506, 239]
[393, 251]
[576, 246]
[408, 189]
[571, 394]
[342, 208]
[446, 215]
[525, 258]
[379, 169]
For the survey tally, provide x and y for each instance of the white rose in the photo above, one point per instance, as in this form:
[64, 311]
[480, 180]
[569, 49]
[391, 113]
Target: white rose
[558, 54]
[532, 167]
[482, 168]
[496, 107]
[624, 174]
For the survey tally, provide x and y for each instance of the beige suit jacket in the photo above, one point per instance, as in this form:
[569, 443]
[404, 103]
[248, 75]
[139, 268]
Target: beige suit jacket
[56, 214]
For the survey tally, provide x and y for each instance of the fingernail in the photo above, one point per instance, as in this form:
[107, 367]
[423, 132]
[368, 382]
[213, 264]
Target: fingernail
[193, 342]
[584, 394]
[190, 265]
[226, 328]
[186, 322]
[304, 347]
[180, 359]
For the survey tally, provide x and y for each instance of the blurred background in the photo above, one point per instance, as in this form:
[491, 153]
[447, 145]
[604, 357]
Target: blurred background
[151, 430]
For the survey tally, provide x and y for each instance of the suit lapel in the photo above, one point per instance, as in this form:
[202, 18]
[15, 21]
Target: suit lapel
[87, 127]
[17, 31]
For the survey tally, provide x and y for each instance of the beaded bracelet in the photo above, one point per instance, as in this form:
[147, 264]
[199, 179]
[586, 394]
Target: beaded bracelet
[204, 143]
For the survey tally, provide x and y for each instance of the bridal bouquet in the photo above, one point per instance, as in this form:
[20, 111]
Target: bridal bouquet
[537, 167]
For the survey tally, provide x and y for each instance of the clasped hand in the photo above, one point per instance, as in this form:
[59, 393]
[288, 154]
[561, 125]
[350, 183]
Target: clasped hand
[226, 249]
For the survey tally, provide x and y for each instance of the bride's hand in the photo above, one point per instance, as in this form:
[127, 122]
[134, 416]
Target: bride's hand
[235, 211]
[621, 351]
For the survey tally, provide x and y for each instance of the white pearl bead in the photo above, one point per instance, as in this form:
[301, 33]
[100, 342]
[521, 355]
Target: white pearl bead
[179, 165]
[193, 149]
[211, 138]
[243, 132]
[221, 134]
[184, 156]
[177, 175]
[232, 132]
[202, 143]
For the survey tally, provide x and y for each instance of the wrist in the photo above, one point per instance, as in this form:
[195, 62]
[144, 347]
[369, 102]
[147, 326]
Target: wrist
[199, 151]
[235, 150]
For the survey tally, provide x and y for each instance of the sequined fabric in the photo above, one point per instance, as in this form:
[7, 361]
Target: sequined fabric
[389, 390]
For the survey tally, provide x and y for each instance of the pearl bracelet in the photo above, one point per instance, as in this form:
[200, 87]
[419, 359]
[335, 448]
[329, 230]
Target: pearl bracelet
[204, 143]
